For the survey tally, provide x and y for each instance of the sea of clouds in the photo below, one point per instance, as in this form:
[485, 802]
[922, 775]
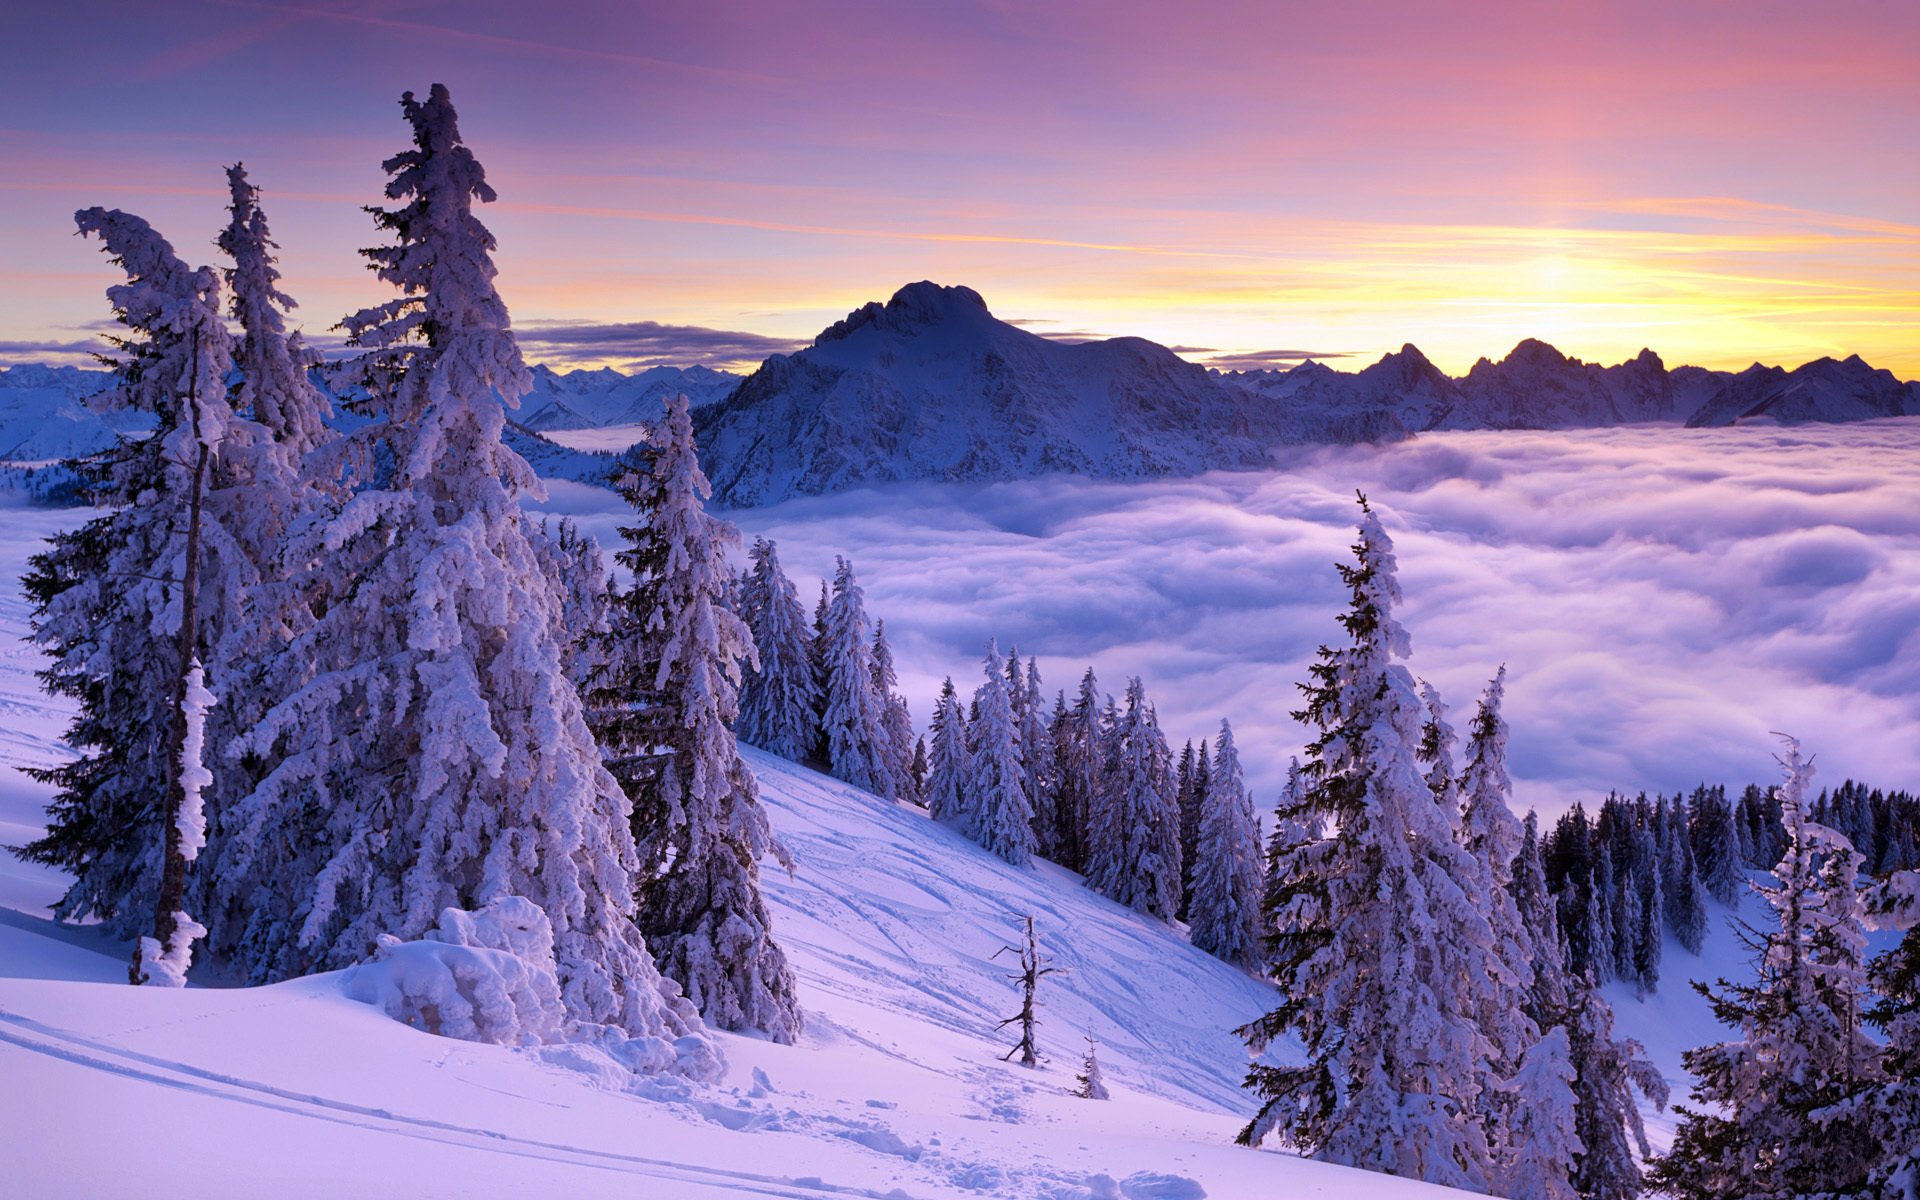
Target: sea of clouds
[1662, 598]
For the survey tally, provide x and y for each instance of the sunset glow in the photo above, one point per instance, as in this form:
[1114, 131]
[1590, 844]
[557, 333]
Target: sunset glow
[1722, 183]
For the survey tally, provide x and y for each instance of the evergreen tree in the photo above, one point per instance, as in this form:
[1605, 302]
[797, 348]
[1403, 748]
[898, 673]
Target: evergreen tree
[698, 824]
[1227, 880]
[1606, 1120]
[996, 785]
[1036, 752]
[1686, 907]
[948, 770]
[129, 605]
[1133, 844]
[1373, 935]
[1716, 845]
[1544, 1141]
[436, 732]
[1801, 1049]
[1092, 1085]
[1540, 919]
[854, 716]
[1890, 1108]
[895, 720]
[778, 698]
[1079, 757]
[1189, 801]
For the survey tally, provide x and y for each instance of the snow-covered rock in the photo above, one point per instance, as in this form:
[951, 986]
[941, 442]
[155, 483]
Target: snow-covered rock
[930, 385]
[1826, 389]
[591, 399]
[44, 414]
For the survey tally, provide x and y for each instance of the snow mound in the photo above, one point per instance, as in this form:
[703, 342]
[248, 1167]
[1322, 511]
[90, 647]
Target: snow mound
[485, 976]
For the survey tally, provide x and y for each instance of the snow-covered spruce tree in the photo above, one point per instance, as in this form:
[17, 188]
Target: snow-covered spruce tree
[1437, 742]
[275, 481]
[1802, 1047]
[996, 783]
[437, 731]
[698, 825]
[1036, 751]
[894, 717]
[1543, 1140]
[919, 771]
[1606, 1118]
[1189, 802]
[1228, 882]
[854, 712]
[573, 560]
[1077, 759]
[1374, 938]
[128, 605]
[1716, 844]
[948, 768]
[1133, 843]
[778, 699]
[1538, 916]
[1681, 893]
[1507, 1001]
[1092, 1085]
[1890, 1108]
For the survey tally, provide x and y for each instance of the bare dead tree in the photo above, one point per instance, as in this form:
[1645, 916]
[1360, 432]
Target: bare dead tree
[1032, 970]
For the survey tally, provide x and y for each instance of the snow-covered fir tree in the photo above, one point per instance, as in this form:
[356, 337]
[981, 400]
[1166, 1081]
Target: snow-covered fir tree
[699, 827]
[130, 604]
[1889, 1108]
[1680, 888]
[1228, 882]
[948, 766]
[778, 698]
[436, 730]
[1133, 839]
[1036, 750]
[919, 771]
[1606, 1072]
[1092, 1085]
[995, 789]
[1716, 844]
[895, 718]
[1373, 934]
[853, 720]
[1802, 1047]
[1539, 918]
[1542, 1141]
[1189, 801]
[1079, 756]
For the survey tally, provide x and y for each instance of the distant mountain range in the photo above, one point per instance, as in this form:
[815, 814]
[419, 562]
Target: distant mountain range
[932, 386]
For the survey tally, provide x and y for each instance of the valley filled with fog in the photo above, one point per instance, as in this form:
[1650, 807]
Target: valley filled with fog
[1662, 597]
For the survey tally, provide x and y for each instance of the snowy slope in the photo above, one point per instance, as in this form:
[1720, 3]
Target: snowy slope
[895, 1090]
[1826, 389]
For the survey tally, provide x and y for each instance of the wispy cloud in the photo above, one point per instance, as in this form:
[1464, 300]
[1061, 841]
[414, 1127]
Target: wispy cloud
[633, 344]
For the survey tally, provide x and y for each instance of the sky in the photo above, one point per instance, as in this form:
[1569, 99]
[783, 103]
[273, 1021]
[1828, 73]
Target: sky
[1250, 183]
[1643, 652]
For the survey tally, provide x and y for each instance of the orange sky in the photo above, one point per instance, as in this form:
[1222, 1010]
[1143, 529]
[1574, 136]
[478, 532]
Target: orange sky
[1721, 182]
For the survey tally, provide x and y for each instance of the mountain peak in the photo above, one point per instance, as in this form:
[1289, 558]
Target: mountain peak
[915, 307]
[1533, 350]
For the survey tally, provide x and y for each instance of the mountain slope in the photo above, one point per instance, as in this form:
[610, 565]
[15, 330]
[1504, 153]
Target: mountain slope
[1826, 389]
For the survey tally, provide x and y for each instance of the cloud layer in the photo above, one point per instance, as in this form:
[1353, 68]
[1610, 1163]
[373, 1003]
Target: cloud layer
[1662, 598]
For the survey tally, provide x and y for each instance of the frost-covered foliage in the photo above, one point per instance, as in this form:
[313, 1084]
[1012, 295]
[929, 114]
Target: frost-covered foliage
[1091, 1084]
[484, 976]
[778, 698]
[1036, 749]
[894, 718]
[995, 788]
[698, 825]
[1715, 844]
[1075, 739]
[1890, 1108]
[1133, 835]
[1607, 1119]
[853, 716]
[1543, 1141]
[1227, 878]
[572, 559]
[274, 386]
[126, 602]
[1376, 943]
[1682, 896]
[948, 764]
[1802, 1047]
[433, 753]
